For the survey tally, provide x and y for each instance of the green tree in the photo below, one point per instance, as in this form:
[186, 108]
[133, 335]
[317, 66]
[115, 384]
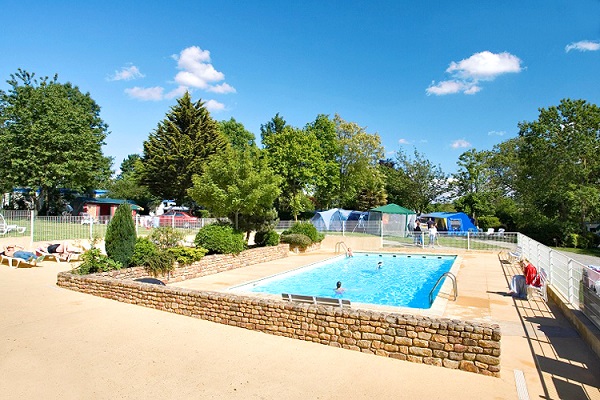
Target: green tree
[293, 156]
[179, 148]
[473, 184]
[237, 134]
[420, 183]
[327, 188]
[274, 126]
[359, 155]
[120, 236]
[239, 185]
[128, 184]
[52, 137]
[560, 168]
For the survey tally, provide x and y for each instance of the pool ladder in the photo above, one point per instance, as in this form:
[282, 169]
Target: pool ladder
[454, 287]
[339, 246]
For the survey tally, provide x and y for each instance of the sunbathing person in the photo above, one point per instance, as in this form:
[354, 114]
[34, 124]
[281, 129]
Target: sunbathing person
[62, 249]
[11, 251]
[519, 283]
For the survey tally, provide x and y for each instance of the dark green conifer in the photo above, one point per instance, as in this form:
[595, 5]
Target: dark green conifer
[178, 149]
[120, 235]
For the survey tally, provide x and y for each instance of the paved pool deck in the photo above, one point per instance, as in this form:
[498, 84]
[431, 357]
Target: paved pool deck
[59, 344]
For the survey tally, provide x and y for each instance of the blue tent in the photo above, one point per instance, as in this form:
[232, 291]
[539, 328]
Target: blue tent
[451, 221]
[330, 220]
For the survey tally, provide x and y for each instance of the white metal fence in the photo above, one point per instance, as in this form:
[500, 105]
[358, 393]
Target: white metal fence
[577, 283]
[25, 224]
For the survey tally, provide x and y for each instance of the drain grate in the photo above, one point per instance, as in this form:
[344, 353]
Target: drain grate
[521, 386]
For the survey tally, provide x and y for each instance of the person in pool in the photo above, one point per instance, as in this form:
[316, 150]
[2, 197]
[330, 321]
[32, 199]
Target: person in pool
[349, 252]
[338, 287]
[379, 264]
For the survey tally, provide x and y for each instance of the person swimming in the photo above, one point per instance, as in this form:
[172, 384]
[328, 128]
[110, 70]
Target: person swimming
[339, 288]
[379, 264]
[349, 252]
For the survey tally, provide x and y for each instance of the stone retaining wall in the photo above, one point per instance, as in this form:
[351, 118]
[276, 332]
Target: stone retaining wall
[208, 265]
[468, 346]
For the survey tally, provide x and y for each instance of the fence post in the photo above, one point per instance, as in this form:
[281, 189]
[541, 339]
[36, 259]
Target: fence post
[173, 221]
[570, 283]
[468, 240]
[381, 229]
[31, 224]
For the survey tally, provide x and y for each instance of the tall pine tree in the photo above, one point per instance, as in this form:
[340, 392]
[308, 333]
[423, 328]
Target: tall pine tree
[178, 149]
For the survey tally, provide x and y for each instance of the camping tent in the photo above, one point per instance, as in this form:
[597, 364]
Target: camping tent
[451, 221]
[396, 220]
[330, 220]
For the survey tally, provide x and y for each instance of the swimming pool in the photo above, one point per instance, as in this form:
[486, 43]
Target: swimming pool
[404, 280]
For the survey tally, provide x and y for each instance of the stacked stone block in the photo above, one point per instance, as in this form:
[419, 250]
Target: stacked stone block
[468, 346]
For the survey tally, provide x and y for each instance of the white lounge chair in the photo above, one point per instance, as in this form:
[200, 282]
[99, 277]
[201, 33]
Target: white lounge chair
[6, 228]
[324, 301]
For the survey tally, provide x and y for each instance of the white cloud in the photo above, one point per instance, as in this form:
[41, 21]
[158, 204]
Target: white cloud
[222, 88]
[460, 144]
[403, 141]
[485, 66]
[583, 45]
[496, 133]
[198, 72]
[177, 92]
[451, 87]
[467, 73]
[126, 74]
[213, 105]
[152, 93]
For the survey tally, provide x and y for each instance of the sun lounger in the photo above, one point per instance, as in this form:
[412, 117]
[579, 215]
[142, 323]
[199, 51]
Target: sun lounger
[15, 262]
[6, 228]
[324, 301]
[56, 256]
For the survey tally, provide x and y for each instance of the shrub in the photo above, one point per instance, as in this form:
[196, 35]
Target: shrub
[166, 237]
[576, 240]
[220, 239]
[307, 229]
[187, 255]
[143, 252]
[94, 261]
[296, 240]
[160, 264]
[266, 238]
[488, 221]
[120, 235]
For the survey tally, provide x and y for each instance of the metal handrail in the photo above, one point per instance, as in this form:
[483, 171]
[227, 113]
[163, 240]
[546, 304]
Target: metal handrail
[454, 286]
[339, 245]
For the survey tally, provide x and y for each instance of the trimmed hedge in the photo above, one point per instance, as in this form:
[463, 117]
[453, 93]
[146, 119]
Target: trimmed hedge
[296, 240]
[220, 239]
[266, 238]
[307, 229]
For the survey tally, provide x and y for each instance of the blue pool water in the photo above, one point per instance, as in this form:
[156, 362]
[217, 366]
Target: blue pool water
[402, 281]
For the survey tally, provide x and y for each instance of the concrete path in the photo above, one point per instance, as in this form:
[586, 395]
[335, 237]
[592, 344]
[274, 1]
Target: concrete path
[59, 344]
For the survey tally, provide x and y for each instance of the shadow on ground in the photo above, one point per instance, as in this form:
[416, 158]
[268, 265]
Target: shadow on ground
[567, 367]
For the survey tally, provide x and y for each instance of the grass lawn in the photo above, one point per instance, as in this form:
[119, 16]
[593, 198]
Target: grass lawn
[588, 252]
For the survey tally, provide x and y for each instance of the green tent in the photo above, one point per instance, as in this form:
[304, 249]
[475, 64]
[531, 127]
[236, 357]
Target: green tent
[393, 209]
[395, 220]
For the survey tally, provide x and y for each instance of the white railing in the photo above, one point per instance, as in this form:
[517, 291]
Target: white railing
[67, 227]
[577, 283]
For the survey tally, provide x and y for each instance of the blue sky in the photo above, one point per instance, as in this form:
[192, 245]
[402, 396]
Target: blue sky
[441, 77]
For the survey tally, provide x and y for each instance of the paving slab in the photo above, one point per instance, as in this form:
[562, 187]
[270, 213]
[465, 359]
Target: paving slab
[60, 344]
